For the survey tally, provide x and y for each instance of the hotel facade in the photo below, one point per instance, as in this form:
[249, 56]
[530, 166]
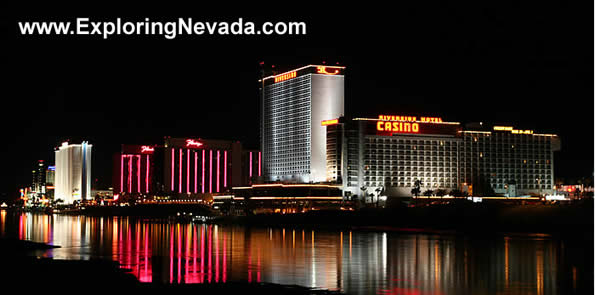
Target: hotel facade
[391, 153]
[182, 167]
[293, 104]
[73, 172]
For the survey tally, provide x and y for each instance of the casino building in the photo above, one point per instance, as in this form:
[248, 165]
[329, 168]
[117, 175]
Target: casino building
[184, 167]
[390, 153]
[293, 104]
[73, 172]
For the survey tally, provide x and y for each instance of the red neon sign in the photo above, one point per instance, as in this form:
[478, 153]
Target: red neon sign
[410, 119]
[399, 127]
[322, 70]
[145, 149]
[193, 143]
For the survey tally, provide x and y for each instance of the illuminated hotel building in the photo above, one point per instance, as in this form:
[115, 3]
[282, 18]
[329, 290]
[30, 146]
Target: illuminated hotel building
[292, 105]
[134, 170]
[73, 172]
[50, 179]
[39, 178]
[392, 152]
[184, 166]
[194, 166]
[252, 166]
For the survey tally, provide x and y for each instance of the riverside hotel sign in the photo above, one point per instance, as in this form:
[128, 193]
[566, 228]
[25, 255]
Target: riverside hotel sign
[388, 125]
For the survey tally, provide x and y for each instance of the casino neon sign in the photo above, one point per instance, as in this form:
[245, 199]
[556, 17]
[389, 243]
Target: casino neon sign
[323, 70]
[287, 76]
[329, 122]
[402, 124]
[193, 143]
[401, 127]
[145, 149]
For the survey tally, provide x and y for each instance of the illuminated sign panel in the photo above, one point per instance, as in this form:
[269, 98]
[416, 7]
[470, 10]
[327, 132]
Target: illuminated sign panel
[309, 69]
[193, 143]
[327, 70]
[286, 76]
[398, 127]
[410, 119]
[512, 130]
[388, 125]
[145, 149]
[329, 122]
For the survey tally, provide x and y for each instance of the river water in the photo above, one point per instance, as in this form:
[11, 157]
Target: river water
[355, 262]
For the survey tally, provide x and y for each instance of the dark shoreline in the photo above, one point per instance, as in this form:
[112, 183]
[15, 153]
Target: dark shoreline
[20, 268]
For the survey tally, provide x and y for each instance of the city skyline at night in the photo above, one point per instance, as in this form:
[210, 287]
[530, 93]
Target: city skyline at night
[522, 72]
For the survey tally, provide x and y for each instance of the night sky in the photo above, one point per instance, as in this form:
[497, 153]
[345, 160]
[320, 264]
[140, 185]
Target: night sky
[531, 67]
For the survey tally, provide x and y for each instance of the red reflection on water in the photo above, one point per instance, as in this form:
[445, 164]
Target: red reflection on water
[217, 254]
[171, 256]
[224, 258]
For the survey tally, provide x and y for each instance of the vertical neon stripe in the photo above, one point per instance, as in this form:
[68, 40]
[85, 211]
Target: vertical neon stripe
[130, 173]
[195, 172]
[173, 152]
[225, 169]
[218, 160]
[250, 172]
[210, 171]
[121, 173]
[138, 172]
[180, 178]
[187, 170]
[203, 172]
[147, 178]
[259, 164]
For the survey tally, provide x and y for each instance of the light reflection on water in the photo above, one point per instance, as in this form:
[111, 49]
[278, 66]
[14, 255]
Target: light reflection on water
[350, 261]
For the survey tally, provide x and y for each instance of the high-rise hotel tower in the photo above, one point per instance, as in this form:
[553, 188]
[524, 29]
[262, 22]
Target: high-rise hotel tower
[293, 105]
[73, 172]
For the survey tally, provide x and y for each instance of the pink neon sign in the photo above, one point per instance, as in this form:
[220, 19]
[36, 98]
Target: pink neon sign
[193, 143]
[145, 149]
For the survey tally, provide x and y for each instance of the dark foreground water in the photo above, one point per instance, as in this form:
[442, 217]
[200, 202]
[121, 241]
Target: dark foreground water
[354, 262]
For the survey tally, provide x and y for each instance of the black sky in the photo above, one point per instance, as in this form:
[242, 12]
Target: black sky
[531, 67]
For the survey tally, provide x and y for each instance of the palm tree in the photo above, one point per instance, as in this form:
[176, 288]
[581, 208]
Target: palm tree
[416, 189]
[379, 191]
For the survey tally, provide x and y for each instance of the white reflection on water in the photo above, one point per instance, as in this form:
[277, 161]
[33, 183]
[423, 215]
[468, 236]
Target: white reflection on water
[351, 261]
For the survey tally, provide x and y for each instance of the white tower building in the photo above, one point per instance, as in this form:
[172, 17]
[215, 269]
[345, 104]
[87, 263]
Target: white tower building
[293, 105]
[73, 172]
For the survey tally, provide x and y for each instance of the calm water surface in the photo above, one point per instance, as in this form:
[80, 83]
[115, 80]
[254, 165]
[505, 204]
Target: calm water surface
[351, 261]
